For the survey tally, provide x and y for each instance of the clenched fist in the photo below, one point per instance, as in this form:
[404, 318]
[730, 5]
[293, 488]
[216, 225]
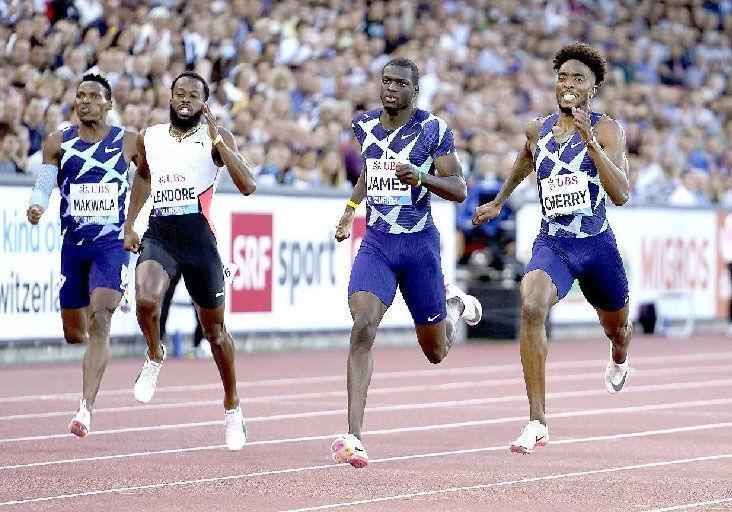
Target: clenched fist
[132, 241]
[343, 229]
[34, 213]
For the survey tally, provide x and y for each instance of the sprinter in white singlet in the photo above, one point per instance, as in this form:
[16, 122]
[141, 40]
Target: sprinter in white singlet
[178, 165]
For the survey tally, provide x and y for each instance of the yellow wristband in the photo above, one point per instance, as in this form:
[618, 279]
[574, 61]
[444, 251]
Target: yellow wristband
[352, 204]
[217, 139]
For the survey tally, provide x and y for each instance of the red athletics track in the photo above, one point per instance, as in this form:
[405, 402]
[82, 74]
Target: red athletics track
[437, 435]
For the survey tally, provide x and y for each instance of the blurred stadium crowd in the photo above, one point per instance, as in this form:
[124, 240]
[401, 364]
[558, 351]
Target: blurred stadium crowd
[287, 78]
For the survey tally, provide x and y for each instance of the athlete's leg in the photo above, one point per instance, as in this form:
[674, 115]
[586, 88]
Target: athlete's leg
[371, 290]
[167, 301]
[618, 330]
[151, 283]
[74, 292]
[423, 288]
[74, 323]
[367, 310]
[222, 348]
[538, 294]
[547, 280]
[203, 276]
[605, 286]
[154, 267]
[107, 279]
[437, 339]
[103, 303]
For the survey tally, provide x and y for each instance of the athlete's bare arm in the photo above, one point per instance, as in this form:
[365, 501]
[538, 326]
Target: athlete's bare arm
[51, 154]
[226, 153]
[343, 229]
[522, 167]
[607, 149]
[138, 195]
[129, 146]
[448, 182]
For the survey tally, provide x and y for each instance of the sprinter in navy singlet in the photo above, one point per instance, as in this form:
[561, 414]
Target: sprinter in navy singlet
[580, 161]
[88, 161]
[409, 154]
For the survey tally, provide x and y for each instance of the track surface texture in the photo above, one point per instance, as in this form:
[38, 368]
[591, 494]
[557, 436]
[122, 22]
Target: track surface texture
[437, 435]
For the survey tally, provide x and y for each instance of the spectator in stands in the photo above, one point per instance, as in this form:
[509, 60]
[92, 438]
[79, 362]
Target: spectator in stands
[33, 122]
[289, 76]
[12, 158]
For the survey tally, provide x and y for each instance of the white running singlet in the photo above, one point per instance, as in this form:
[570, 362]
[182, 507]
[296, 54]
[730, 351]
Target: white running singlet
[183, 175]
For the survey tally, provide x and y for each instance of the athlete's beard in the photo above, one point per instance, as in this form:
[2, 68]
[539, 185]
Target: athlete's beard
[185, 124]
[565, 110]
[391, 111]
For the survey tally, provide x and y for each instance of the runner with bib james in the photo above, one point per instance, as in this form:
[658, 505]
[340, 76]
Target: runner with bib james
[409, 155]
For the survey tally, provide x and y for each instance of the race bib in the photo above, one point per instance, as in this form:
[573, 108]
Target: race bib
[565, 194]
[174, 195]
[96, 203]
[382, 185]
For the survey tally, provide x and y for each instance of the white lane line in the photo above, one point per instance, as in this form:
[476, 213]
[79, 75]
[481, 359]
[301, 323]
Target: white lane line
[397, 407]
[378, 461]
[432, 372]
[298, 398]
[417, 428]
[686, 506]
[505, 483]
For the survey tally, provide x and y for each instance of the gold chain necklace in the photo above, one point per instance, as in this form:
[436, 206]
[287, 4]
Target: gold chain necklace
[181, 136]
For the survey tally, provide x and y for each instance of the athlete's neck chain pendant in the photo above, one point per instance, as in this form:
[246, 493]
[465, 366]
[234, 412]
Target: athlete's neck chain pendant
[180, 136]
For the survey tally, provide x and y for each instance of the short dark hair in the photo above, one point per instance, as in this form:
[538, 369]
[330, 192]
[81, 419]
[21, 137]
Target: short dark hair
[93, 77]
[191, 74]
[587, 55]
[402, 62]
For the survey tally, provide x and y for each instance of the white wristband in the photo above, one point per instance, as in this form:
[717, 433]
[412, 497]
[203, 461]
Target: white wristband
[45, 181]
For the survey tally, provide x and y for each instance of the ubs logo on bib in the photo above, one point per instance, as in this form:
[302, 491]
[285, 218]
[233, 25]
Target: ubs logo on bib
[251, 252]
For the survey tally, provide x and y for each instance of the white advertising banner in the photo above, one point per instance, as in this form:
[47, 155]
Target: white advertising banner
[289, 272]
[29, 268]
[666, 252]
[30, 272]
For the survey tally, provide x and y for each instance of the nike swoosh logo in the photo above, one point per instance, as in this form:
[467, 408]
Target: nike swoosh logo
[619, 386]
[432, 318]
[540, 438]
[111, 150]
[220, 294]
[199, 142]
[406, 136]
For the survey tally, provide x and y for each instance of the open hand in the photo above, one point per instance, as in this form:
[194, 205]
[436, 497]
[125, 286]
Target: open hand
[213, 127]
[486, 212]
